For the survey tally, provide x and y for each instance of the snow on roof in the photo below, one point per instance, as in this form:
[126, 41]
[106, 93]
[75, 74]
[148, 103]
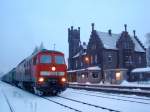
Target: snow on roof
[70, 71]
[109, 41]
[94, 68]
[84, 53]
[137, 45]
[77, 55]
[84, 46]
[89, 68]
[141, 70]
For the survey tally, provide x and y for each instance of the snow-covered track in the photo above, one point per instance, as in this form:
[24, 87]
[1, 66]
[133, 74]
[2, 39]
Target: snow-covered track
[85, 103]
[77, 101]
[61, 104]
[121, 99]
[140, 91]
[9, 105]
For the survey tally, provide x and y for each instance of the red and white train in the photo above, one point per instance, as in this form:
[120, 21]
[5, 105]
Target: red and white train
[43, 72]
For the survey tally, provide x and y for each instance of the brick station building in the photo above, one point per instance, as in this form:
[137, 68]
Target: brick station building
[105, 55]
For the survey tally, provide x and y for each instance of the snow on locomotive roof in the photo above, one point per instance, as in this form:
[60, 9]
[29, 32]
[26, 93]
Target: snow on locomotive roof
[45, 50]
[137, 70]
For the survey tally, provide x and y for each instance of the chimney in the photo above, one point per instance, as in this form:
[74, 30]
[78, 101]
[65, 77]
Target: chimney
[134, 33]
[92, 26]
[78, 28]
[71, 27]
[109, 32]
[125, 26]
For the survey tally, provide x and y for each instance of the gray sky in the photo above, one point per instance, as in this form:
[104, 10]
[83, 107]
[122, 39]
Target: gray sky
[26, 23]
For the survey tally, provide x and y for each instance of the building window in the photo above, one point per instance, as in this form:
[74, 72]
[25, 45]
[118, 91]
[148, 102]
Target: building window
[95, 75]
[128, 59]
[94, 47]
[96, 58]
[91, 59]
[140, 59]
[81, 64]
[76, 64]
[110, 58]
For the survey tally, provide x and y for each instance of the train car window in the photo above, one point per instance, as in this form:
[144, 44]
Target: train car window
[45, 59]
[59, 60]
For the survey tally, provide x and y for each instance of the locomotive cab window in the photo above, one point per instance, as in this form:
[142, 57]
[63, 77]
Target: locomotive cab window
[59, 60]
[45, 59]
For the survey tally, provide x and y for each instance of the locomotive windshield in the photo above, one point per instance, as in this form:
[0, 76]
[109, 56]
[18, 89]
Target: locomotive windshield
[59, 60]
[45, 59]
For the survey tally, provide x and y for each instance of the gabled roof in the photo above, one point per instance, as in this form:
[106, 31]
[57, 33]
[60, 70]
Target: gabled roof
[109, 41]
[81, 52]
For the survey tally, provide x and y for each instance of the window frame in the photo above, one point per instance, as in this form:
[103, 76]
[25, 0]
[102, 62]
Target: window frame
[61, 60]
[41, 61]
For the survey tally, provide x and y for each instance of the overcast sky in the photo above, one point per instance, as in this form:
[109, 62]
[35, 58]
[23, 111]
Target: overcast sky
[26, 23]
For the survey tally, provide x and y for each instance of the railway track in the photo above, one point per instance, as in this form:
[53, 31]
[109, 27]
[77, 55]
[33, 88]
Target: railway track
[80, 102]
[85, 103]
[124, 96]
[108, 97]
[140, 91]
[66, 106]
[9, 105]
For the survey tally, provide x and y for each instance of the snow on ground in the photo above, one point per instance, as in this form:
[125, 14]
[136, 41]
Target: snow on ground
[123, 106]
[23, 101]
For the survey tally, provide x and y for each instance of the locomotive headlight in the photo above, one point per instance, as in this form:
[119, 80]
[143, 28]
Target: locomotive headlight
[53, 68]
[41, 79]
[63, 79]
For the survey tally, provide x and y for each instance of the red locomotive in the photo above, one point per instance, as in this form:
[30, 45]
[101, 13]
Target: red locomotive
[43, 72]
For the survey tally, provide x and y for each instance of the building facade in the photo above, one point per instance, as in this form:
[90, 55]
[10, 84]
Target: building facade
[107, 57]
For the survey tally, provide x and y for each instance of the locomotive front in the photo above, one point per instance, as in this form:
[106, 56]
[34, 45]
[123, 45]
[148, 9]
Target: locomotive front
[50, 72]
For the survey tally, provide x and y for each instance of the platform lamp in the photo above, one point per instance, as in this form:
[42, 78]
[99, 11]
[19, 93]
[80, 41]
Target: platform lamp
[87, 60]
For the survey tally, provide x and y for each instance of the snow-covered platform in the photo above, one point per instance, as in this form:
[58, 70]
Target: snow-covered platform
[125, 88]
